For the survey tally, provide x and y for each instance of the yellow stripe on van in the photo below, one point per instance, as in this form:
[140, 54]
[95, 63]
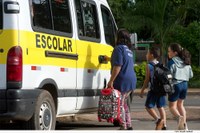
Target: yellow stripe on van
[34, 45]
[8, 38]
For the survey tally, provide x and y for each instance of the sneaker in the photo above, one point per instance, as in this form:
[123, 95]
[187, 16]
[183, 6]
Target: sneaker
[122, 128]
[181, 123]
[185, 127]
[159, 124]
[164, 128]
[129, 128]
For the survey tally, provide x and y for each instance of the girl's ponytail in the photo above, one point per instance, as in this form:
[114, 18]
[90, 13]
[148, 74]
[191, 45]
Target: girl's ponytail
[183, 53]
[186, 56]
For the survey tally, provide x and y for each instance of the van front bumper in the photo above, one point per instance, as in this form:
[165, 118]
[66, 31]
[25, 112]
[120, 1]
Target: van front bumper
[17, 104]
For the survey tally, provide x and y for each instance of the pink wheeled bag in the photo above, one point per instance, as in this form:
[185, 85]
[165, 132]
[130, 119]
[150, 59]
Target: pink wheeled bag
[109, 107]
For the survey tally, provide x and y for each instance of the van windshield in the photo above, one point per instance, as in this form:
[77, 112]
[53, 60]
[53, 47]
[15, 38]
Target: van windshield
[1, 15]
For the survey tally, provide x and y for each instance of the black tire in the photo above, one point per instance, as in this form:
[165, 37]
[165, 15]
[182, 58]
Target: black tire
[116, 123]
[1, 126]
[44, 117]
[4, 126]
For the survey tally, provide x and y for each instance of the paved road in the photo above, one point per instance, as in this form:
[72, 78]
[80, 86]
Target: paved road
[191, 100]
[140, 119]
[137, 125]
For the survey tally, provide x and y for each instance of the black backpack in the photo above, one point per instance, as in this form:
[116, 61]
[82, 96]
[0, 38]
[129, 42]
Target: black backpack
[161, 83]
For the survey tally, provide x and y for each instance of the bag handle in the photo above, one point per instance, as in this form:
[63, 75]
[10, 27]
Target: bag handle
[107, 91]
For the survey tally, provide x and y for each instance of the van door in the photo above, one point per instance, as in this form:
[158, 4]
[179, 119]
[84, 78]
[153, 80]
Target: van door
[88, 48]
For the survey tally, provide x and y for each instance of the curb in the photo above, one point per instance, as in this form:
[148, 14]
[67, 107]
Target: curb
[191, 91]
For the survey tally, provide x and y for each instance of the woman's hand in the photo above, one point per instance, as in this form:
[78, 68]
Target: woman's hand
[110, 84]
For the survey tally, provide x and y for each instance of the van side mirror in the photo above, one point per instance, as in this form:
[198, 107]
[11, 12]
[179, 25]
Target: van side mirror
[133, 37]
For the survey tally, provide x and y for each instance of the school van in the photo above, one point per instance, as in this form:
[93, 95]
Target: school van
[52, 59]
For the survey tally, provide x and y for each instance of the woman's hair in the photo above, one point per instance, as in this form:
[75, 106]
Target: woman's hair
[155, 51]
[123, 38]
[183, 53]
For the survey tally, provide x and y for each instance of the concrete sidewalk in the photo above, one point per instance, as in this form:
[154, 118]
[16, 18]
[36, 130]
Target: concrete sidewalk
[191, 91]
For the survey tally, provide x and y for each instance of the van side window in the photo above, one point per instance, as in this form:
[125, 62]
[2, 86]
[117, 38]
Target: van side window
[54, 15]
[61, 15]
[87, 19]
[109, 26]
[41, 14]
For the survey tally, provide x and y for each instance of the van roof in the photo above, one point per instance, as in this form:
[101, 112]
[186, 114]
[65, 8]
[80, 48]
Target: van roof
[104, 1]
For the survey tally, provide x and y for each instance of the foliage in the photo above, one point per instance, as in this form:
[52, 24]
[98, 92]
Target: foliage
[188, 37]
[140, 73]
[195, 82]
[120, 8]
[151, 19]
[156, 19]
[192, 12]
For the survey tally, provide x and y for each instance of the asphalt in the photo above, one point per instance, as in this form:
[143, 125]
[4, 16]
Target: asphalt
[141, 120]
[142, 115]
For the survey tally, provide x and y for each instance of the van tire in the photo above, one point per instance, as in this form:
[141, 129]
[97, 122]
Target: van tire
[1, 126]
[44, 117]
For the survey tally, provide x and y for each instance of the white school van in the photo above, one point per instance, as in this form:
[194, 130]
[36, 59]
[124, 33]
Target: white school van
[51, 61]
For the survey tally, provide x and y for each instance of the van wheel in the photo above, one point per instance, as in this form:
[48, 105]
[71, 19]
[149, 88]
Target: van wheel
[44, 117]
[1, 126]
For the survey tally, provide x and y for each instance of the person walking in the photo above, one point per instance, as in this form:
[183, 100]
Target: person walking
[123, 77]
[179, 65]
[152, 98]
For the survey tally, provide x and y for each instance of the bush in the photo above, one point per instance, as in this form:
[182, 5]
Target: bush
[195, 82]
[140, 73]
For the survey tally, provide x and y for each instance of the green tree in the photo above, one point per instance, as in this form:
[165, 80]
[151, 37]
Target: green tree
[156, 19]
[188, 37]
[161, 16]
[119, 9]
[192, 11]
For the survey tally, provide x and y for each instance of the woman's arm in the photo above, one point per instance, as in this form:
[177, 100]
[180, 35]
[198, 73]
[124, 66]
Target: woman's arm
[115, 72]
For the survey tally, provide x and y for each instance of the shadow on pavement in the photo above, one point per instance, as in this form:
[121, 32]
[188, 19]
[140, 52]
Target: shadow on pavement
[77, 125]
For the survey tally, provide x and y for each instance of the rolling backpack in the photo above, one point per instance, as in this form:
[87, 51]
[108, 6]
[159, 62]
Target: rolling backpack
[161, 83]
[109, 107]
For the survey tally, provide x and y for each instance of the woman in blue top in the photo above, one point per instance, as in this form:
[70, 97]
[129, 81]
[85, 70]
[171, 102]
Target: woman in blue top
[123, 76]
[179, 65]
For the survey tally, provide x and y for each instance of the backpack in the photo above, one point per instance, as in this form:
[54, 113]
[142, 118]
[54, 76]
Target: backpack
[161, 83]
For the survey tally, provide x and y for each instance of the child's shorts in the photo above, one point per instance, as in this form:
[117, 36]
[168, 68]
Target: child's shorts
[153, 100]
[180, 91]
